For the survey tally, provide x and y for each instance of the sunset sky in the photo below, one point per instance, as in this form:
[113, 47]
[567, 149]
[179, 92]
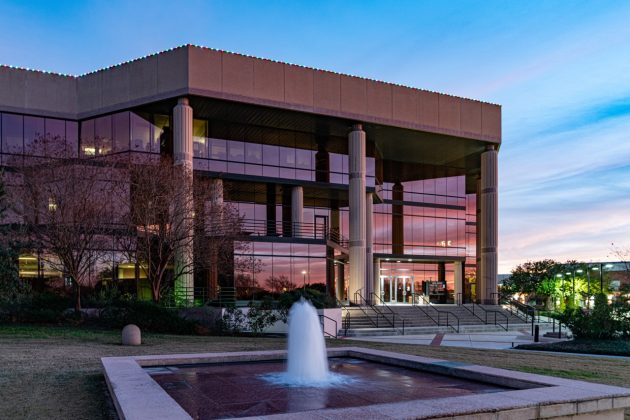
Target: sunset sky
[560, 70]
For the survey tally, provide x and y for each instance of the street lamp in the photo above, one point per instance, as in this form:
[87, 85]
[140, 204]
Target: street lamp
[304, 281]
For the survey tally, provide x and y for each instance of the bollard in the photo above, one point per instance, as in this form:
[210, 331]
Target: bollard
[532, 325]
[559, 329]
[536, 333]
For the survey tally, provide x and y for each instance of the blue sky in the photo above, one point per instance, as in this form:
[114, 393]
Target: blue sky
[560, 69]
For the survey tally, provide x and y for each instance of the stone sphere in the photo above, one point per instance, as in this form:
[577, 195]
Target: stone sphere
[131, 335]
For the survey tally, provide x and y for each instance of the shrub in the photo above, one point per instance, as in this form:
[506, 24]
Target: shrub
[146, 315]
[604, 321]
[258, 317]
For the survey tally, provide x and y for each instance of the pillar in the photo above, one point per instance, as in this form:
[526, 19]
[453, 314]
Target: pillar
[458, 268]
[183, 158]
[356, 160]
[369, 255]
[398, 238]
[480, 287]
[376, 278]
[489, 222]
[297, 211]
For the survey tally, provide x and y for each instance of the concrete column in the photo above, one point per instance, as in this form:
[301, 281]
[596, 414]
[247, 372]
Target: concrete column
[369, 253]
[489, 224]
[356, 160]
[458, 281]
[297, 211]
[480, 286]
[377, 278]
[183, 158]
[398, 231]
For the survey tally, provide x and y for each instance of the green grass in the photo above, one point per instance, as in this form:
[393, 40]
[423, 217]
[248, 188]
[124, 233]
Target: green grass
[56, 373]
[603, 347]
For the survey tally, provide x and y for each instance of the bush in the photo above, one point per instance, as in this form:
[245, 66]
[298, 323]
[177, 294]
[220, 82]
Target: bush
[258, 317]
[604, 321]
[146, 315]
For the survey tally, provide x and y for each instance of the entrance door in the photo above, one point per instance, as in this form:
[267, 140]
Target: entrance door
[397, 289]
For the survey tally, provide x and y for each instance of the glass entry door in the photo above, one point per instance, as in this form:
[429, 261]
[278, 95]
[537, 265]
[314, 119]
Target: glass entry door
[397, 289]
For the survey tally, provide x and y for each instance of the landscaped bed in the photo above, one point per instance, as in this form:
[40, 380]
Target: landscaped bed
[585, 346]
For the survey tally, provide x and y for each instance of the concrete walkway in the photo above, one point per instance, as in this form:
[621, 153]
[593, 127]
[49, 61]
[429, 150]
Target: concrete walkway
[494, 340]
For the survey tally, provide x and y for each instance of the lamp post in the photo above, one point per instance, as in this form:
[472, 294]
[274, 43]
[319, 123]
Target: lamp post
[304, 281]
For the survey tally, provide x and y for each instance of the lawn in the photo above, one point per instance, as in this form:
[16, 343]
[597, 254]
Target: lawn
[55, 372]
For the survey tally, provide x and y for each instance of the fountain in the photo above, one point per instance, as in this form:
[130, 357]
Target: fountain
[307, 359]
[341, 383]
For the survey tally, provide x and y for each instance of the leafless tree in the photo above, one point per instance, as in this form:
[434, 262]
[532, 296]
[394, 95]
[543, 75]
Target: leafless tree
[62, 204]
[279, 284]
[168, 213]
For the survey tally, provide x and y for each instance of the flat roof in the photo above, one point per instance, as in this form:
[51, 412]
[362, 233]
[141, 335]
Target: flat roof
[210, 73]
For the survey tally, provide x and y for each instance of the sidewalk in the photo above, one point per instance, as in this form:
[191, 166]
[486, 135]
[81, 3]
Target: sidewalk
[494, 340]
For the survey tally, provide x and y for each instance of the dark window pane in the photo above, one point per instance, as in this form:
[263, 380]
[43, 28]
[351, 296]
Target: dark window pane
[103, 135]
[218, 149]
[140, 134]
[236, 151]
[72, 139]
[87, 138]
[35, 140]
[56, 135]
[121, 131]
[12, 139]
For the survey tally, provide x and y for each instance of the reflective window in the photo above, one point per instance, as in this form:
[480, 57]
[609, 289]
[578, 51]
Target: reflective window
[200, 133]
[12, 133]
[120, 123]
[140, 134]
[35, 140]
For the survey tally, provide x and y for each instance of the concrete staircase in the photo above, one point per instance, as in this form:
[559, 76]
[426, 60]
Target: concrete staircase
[428, 319]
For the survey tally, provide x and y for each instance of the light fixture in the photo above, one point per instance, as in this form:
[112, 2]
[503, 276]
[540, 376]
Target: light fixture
[595, 268]
[568, 274]
[558, 275]
[608, 266]
[579, 271]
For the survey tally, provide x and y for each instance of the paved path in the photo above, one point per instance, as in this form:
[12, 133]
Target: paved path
[493, 340]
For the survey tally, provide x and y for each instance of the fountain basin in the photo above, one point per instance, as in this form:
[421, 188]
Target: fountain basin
[505, 394]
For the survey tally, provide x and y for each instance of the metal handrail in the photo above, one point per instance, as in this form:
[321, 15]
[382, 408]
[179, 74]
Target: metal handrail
[486, 311]
[423, 311]
[378, 312]
[394, 314]
[440, 312]
[321, 320]
[288, 229]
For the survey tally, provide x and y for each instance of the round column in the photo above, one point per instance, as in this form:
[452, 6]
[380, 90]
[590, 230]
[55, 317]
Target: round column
[489, 217]
[183, 157]
[356, 160]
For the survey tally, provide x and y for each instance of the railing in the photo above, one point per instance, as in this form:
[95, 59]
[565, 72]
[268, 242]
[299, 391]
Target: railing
[185, 297]
[441, 313]
[302, 230]
[322, 320]
[362, 303]
[394, 314]
[521, 310]
[424, 311]
[486, 312]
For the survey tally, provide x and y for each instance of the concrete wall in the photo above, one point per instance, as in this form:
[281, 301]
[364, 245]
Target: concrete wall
[218, 74]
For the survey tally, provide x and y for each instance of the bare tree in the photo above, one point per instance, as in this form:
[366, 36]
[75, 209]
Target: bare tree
[64, 209]
[279, 284]
[169, 213]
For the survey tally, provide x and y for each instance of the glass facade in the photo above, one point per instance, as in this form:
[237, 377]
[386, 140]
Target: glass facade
[420, 227]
